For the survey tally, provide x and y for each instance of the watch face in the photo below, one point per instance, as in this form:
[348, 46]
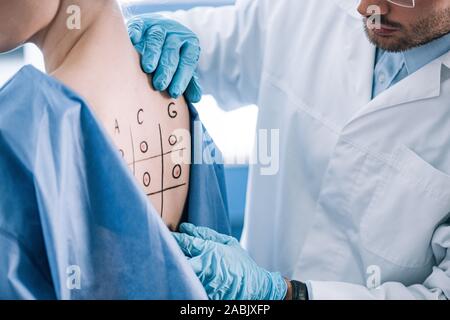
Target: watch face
[299, 291]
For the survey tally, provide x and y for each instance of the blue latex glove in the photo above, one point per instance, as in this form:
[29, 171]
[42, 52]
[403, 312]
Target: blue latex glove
[225, 269]
[170, 51]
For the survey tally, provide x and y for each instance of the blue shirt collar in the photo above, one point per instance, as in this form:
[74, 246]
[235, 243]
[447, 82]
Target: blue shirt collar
[418, 57]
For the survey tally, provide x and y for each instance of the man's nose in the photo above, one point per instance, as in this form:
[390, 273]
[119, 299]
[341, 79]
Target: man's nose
[365, 10]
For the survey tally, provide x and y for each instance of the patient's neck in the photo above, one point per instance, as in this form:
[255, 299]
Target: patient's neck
[100, 48]
[63, 40]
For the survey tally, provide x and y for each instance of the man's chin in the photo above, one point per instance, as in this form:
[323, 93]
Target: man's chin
[390, 43]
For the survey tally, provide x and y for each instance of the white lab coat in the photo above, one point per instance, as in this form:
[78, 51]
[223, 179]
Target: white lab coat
[363, 193]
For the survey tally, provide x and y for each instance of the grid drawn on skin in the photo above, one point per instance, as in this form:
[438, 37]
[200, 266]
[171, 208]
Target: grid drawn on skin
[144, 177]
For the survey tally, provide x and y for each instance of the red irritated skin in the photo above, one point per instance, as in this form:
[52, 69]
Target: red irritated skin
[404, 28]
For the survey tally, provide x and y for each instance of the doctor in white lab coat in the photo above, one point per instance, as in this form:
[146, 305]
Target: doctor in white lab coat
[359, 208]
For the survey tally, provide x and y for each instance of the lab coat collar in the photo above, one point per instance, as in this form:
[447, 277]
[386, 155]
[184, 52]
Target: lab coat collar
[417, 57]
[423, 84]
[446, 59]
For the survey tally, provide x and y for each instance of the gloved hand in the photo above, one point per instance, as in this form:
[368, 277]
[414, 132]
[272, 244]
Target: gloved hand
[225, 269]
[170, 51]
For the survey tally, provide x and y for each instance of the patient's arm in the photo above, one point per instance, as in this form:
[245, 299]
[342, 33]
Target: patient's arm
[150, 130]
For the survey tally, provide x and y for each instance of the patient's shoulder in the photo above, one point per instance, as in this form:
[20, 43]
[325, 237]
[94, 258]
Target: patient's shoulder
[20, 86]
[31, 91]
[27, 80]
[33, 104]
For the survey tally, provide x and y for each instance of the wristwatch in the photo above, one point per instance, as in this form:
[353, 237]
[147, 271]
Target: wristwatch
[299, 290]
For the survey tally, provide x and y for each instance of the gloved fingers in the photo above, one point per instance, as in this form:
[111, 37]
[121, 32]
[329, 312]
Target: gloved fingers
[168, 63]
[189, 56]
[136, 28]
[155, 37]
[206, 271]
[205, 234]
[190, 246]
[193, 92]
[199, 267]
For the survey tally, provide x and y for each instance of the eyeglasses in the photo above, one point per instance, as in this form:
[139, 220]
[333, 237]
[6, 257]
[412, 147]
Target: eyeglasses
[404, 3]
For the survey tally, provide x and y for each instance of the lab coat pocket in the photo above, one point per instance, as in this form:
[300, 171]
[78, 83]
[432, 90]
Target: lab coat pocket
[411, 201]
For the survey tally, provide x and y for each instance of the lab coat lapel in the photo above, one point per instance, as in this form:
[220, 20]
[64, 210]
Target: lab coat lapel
[360, 58]
[446, 60]
[360, 61]
[423, 84]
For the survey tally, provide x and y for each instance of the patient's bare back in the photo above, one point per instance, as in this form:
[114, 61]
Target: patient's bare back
[150, 130]
[154, 140]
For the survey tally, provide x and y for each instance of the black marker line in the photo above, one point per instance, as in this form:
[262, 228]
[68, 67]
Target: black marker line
[138, 119]
[132, 147]
[166, 189]
[162, 170]
[174, 175]
[173, 114]
[154, 157]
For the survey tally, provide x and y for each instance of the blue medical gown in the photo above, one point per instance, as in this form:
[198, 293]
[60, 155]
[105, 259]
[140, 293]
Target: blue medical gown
[74, 224]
